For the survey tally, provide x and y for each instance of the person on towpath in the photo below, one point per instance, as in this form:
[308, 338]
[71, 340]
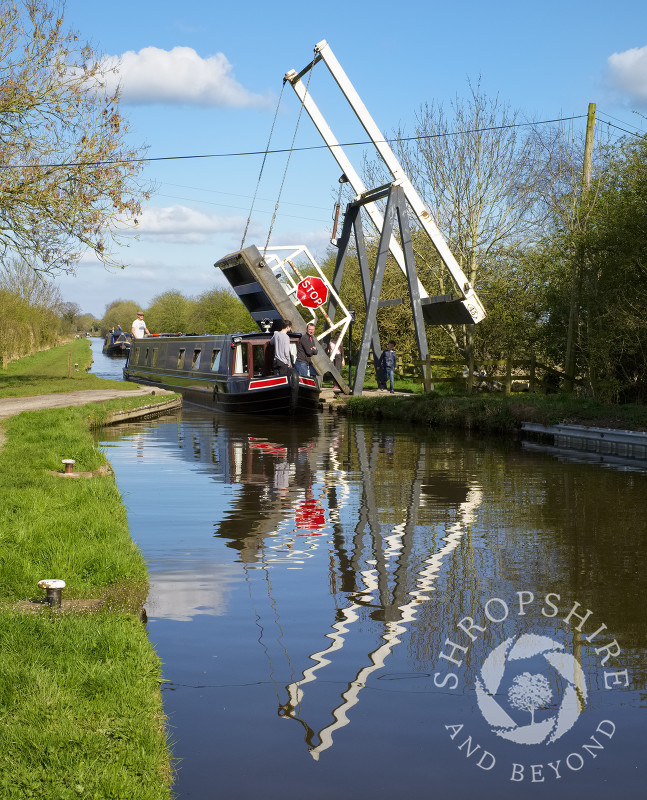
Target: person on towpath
[389, 360]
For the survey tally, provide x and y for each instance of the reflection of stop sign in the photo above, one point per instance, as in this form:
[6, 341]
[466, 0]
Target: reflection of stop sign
[312, 292]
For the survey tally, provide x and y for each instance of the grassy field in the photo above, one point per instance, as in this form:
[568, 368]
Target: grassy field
[47, 372]
[81, 709]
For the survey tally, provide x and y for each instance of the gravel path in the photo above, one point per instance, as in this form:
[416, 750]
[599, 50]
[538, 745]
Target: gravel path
[10, 406]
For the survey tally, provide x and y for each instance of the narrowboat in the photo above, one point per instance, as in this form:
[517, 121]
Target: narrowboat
[230, 373]
[117, 345]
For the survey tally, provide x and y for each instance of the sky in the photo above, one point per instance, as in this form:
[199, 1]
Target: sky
[202, 89]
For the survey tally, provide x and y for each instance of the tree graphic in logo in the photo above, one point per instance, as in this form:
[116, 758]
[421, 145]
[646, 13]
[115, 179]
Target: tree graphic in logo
[529, 691]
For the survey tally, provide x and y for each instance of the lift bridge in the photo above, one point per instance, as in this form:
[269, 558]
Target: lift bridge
[271, 284]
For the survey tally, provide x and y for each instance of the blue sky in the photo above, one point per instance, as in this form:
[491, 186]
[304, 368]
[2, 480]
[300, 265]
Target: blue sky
[205, 78]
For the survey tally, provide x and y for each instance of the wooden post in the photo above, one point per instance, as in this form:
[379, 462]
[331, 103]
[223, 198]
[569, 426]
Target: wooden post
[427, 377]
[508, 376]
[470, 371]
[533, 368]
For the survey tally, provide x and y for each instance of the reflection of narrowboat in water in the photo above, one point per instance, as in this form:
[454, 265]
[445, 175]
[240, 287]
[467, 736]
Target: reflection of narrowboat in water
[117, 345]
[230, 373]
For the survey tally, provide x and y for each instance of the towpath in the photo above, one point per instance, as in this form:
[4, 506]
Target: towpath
[10, 406]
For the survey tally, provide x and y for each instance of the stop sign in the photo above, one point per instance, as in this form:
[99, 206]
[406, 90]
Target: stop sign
[312, 292]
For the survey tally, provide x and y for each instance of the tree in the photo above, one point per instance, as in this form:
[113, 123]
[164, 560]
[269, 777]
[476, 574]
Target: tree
[19, 276]
[613, 340]
[40, 296]
[219, 311]
[15, 339]
[168, 313]
[69, 312]
[69, 182]
[479, 174]
[119, 312]
[530, 692]
[88, 324]
[569, 193]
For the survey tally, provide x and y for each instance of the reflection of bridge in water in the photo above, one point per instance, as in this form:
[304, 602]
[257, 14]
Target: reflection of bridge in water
[325, 497]
[384, 576]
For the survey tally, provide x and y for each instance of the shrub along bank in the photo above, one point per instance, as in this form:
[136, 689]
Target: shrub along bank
[80, 703]
[498, 413]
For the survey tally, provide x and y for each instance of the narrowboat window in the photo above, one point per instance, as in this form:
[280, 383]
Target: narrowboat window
[155, 356]
[215, 360]
[136, 355]
[258, 355]
[146, 356]
[195, 364]
[240, 359]
[180, 358]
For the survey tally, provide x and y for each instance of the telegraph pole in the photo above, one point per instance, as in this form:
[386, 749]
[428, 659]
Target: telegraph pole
[574, 310]
[588, 148]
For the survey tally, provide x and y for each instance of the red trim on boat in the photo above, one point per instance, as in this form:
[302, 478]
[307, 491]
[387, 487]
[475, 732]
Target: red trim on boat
[266, 382]
[308, 381]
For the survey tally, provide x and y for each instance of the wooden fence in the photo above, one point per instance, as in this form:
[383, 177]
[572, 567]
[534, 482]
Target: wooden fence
[508, 375]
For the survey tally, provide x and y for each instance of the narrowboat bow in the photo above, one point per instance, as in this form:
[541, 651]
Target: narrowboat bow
[117, 345]
[230, 373]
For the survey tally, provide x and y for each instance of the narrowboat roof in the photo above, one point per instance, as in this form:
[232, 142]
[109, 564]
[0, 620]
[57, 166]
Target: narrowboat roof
[241, 336]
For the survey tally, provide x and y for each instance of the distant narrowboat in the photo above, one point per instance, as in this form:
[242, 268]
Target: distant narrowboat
[117, 344]
[230, 373]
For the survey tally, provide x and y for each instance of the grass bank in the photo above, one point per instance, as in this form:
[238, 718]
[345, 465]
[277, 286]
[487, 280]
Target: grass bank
[47, 372]
[498, 413]
[81, 708]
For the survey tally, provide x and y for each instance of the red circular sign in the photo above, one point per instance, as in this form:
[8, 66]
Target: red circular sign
[312, 292]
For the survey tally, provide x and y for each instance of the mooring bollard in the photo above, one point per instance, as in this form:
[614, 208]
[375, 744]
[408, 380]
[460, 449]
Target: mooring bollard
[53, 588]
[69, 465]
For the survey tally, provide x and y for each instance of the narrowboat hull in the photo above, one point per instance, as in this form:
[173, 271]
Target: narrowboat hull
[230, 374]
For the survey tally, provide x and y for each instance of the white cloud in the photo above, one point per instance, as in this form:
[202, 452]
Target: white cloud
[628, 73]
[177, 76]
[183, 225]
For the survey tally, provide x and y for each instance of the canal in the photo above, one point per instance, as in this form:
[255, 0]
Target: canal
[366, 611]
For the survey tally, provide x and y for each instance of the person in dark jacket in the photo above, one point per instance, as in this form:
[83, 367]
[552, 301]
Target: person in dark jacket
[307, 346]
[389, 360]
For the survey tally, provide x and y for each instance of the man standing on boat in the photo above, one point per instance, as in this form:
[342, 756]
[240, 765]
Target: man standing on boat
[139, 326]
[281, 343]
[307, 346]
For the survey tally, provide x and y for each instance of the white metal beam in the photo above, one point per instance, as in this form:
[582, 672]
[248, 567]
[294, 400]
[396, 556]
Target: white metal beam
[324, 53]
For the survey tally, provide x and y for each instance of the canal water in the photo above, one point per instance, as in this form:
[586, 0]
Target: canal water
[367, 611]
[103, 366]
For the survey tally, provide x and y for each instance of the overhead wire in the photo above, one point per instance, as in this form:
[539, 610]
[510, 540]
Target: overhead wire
[617, 127]
[278, 151]
[637, 130]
